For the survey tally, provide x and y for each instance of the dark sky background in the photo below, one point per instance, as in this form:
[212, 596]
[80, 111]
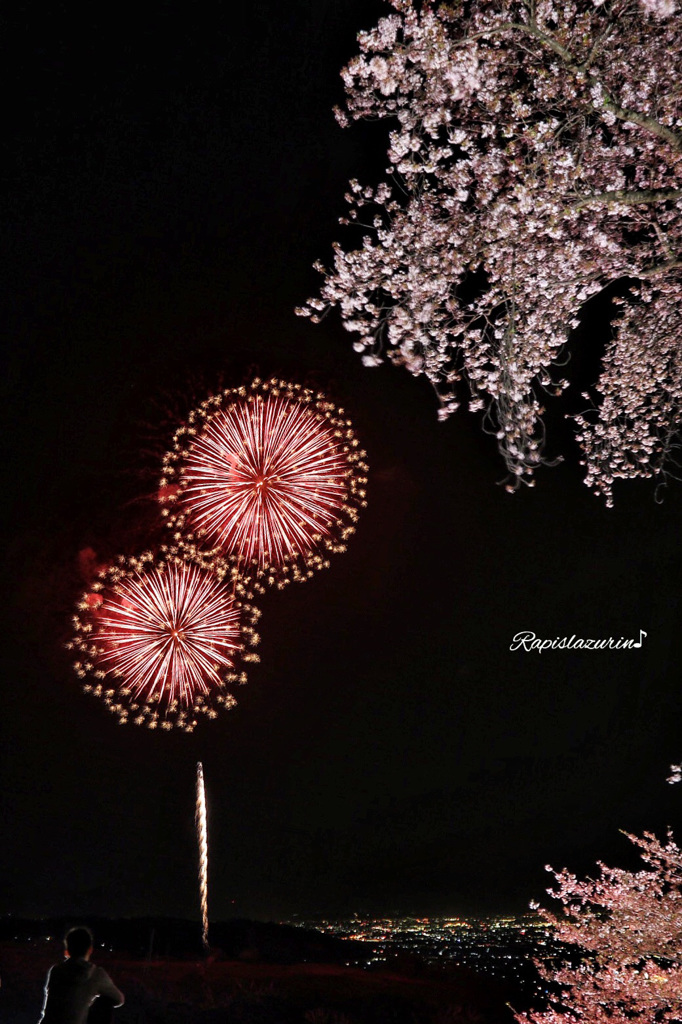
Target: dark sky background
[172, 179]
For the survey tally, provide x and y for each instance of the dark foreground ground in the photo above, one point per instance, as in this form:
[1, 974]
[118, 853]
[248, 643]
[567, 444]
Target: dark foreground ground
[219, 991]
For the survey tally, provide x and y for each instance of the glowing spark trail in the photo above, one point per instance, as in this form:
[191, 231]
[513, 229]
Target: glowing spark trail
[202, 838]
[270, 475]
[162, 640]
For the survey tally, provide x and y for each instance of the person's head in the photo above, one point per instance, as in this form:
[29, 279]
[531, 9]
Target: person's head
[78, 942]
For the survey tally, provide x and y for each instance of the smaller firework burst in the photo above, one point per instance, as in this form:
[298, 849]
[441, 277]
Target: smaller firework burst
[162, 640]
[263, 483]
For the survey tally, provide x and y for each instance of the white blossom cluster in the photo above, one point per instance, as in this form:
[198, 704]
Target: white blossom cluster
[634, 433]
[535, 157]
[627, 927]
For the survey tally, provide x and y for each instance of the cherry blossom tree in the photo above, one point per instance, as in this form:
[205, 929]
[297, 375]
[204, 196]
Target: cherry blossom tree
[535, 158]
[627, 926]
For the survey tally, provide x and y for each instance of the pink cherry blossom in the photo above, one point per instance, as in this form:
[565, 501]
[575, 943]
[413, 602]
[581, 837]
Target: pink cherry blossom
[535, 154]
[625, 928]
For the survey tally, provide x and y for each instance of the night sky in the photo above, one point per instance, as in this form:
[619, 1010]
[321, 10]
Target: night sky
[172, 178]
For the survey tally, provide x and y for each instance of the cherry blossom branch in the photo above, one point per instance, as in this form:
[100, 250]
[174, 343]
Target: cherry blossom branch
[629, 198]
[517, 193]
[608, 103]
[660, 268]
[634, 117]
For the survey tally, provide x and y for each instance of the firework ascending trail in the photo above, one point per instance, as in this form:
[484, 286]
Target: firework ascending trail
[202, 839]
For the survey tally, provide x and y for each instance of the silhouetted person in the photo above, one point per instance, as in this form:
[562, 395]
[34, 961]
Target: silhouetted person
[73, 985]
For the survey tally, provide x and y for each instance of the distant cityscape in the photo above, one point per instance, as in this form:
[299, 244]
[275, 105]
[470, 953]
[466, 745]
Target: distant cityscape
[500, 947]
[503, 948]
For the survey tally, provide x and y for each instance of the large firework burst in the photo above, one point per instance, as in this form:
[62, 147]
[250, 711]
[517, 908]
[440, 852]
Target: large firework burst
[162, 641]
[269, 477]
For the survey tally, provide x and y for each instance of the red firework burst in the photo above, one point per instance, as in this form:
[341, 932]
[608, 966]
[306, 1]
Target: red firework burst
[162, 640]
[270, 475]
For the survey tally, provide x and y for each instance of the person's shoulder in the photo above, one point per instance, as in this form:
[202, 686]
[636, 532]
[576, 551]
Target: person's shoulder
[103, 984]
[99, 973]
[59, 972]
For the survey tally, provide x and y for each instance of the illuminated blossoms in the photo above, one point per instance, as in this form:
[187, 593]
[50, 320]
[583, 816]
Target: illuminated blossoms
[535, 157]
[625, 928]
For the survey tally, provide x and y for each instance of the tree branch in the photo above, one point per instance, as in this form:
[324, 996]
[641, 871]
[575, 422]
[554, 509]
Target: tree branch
[650, 123]
[661, 268]
[674, 139]
[629, 198]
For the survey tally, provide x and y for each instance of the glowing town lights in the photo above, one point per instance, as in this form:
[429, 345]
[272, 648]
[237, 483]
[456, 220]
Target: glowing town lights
[268, 477]
[161, 641]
